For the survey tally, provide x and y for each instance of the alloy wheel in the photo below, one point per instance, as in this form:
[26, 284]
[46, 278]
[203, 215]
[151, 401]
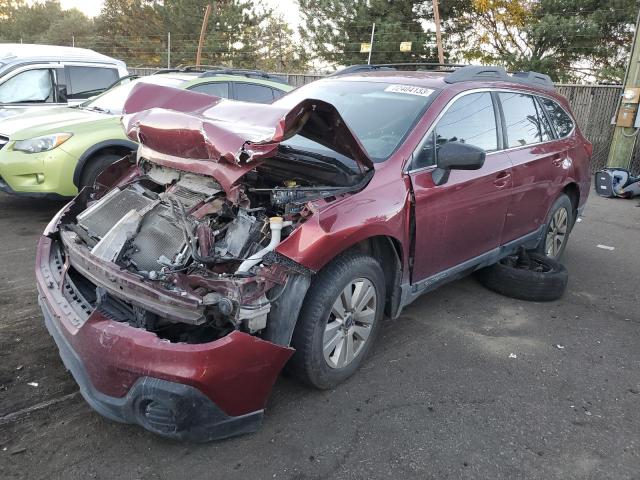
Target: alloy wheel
[350, 322]
[557, 233]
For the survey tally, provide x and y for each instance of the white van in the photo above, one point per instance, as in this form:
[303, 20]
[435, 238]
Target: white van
[36, 76]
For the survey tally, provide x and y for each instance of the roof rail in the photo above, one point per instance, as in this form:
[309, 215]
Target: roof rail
[244, 72]
[499, 74]
[396, 66]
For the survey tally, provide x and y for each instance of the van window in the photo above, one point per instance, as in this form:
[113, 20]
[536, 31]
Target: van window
[85, 82]
[559, 118]
[32, 86]
[471, 119]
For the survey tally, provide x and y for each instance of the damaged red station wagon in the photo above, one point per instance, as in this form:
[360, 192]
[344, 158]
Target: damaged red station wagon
[246, 236]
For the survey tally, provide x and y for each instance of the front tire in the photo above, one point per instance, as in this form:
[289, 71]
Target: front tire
[339, 321]
[95, 166]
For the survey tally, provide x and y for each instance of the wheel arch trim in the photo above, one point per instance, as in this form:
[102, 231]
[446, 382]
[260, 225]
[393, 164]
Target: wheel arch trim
[84, 158]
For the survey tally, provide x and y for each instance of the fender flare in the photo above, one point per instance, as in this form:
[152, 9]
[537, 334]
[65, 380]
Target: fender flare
[93, 149]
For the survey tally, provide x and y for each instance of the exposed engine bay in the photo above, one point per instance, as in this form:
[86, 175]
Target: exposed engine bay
[170, 253]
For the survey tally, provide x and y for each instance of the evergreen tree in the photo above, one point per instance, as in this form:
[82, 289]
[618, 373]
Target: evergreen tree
[335, 29]
[567, 39]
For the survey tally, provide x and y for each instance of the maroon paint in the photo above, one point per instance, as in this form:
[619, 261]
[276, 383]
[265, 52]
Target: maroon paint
[236, 372]
[197, 126]
[454, 222]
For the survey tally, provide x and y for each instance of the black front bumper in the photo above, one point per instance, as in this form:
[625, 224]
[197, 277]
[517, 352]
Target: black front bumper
[169, 409]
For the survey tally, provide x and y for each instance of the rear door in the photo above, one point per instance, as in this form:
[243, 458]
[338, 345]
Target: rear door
[463, 218]
[539, 161]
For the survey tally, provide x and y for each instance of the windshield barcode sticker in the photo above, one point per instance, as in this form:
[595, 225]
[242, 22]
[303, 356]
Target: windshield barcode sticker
[410, 89]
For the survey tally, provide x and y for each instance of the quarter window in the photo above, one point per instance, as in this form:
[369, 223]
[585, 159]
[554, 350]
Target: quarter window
[521, 119]
[32, 86]
[559, 118]
[85, 82]
[471, 119]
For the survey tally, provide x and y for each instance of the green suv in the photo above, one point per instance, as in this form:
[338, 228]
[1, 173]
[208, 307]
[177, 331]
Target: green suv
[55, 152]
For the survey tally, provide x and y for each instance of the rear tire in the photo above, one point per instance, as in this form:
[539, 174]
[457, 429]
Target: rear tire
[542, 280]
[339, 321]
[95, 165]
[556, 233]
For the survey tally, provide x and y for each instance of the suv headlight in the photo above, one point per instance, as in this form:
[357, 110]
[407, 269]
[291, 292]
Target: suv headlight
[41, 144]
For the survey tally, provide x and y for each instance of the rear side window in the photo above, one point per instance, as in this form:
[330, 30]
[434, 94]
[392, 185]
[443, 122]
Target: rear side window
[521, 119]
[471, 119]
[32, 86]
[85, 82]
[216, 89]
[562, 122]
[248, 92]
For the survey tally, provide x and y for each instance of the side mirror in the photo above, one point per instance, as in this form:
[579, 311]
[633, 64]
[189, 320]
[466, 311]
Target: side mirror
[457, 156]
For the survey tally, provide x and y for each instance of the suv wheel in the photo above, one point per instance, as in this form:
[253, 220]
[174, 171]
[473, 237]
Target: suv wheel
[95, 166]
[558, 228]
[339, 321]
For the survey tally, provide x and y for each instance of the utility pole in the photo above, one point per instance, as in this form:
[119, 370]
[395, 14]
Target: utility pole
[436, 19]
[73, 40]
[168, 49]
[205, 20]
[373, 30]
[623, 143]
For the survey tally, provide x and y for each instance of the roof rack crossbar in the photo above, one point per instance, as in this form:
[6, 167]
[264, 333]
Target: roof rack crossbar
[437, 67]
[499, 74]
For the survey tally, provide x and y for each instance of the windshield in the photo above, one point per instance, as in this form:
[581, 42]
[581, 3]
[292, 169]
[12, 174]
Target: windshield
[112, 101]
[379, 114]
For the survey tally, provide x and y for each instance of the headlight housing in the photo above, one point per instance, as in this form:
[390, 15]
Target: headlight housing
[41, 144]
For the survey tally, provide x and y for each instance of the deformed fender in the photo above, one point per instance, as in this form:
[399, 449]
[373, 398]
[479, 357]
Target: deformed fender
[285, 310]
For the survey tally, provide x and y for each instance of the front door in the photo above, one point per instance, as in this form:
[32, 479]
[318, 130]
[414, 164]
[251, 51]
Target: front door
[464, 217]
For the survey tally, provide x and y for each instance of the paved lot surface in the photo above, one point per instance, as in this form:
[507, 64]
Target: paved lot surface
[442, 396]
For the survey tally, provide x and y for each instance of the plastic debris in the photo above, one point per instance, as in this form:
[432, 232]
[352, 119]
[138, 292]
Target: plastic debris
[560, 347]
[605, 247]
[513, 355]
[33, 384]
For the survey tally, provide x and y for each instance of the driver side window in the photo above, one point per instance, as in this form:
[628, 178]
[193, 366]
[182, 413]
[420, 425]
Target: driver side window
[470, 119]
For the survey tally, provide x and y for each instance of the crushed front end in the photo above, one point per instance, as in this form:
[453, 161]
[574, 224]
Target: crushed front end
[169, 302]
[154, 296]
[163, 286]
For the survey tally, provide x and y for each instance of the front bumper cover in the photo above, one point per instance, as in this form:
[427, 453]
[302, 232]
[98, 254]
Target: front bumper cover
[194, 392]
[169, 409]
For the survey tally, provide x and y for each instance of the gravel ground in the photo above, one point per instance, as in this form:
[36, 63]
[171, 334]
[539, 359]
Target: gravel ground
[465, 384]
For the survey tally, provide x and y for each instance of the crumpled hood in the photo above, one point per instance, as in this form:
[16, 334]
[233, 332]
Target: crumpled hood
[235, 135]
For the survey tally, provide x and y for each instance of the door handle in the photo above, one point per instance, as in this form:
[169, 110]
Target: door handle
[502, 179]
